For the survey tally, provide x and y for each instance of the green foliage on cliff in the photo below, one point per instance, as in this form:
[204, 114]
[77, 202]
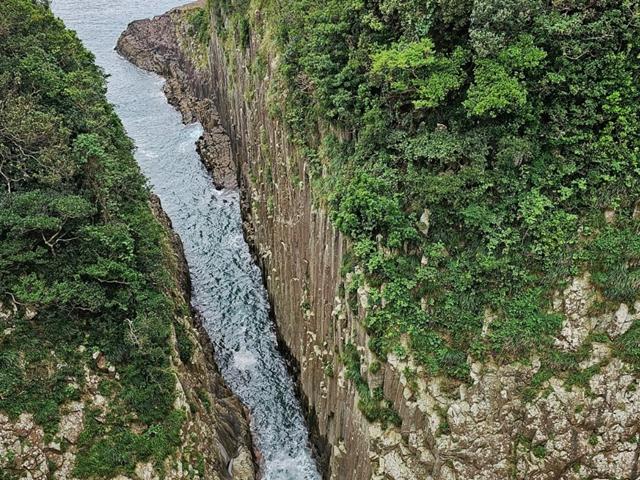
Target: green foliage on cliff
[514, 124]
[372, 403]
[81, 255]
[199, 25]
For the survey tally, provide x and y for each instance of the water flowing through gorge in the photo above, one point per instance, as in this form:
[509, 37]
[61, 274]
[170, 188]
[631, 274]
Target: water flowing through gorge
[227, 285]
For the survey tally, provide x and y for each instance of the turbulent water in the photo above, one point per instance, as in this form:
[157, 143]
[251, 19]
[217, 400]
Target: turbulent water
[227, 287]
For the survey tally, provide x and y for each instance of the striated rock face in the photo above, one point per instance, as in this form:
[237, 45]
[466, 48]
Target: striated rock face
[494, 427]
[215, 442]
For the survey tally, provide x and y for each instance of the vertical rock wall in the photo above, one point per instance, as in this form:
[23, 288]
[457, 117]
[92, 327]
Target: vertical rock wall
[484, 430]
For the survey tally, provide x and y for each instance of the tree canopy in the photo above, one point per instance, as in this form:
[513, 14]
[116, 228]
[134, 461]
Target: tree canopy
[514, 124]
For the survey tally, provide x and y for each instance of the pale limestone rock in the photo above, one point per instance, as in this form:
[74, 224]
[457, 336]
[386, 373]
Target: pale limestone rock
[490, 416]
[180, 403]
[489, 318]
[375, 431]
[22, 442]
[599, 353]
[99, 401]
[576, 301]
[30, 313]
[145, 471]
[339, 450]
[622, 321]
[6, 311]
[65, 468]
[24, 425]
[424, 223]
[242, 466]
[72, 423]
[54, 447]
[394, 467]
[363, 297]
[391, 438]
[447, 473]
[609, 216]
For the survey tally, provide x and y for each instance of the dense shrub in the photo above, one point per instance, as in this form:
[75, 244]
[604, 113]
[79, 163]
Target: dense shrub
[515, 123]
[79, 246]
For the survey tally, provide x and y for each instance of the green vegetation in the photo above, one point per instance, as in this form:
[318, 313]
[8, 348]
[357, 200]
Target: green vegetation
[81, 255]
[199, 25]
[184, 344]
[113, 447]
[237, 28]
[513, 123]
[371, 403]
[539, 450]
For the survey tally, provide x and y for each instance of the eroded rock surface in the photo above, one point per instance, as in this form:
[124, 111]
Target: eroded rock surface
[162, 45]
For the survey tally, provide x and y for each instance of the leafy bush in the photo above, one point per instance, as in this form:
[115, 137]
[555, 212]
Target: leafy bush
[372, 403]
[513, 123]
[184, 343]
[79, 246]
[200, 25]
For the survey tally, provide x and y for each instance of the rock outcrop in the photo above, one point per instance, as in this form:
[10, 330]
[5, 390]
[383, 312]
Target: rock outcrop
[163, 46]
[495, 426]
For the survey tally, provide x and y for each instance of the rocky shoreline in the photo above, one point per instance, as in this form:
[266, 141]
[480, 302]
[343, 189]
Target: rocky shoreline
[157, 45]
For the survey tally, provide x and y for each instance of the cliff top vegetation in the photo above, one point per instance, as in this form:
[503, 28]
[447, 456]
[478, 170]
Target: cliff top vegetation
[83, 262]
[482, 153]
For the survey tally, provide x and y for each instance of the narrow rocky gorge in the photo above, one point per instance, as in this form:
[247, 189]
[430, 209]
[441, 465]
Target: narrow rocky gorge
[489, 428]
[249, 357]
[217, 431]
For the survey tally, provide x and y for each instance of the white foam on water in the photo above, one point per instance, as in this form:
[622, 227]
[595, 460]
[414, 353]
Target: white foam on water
[244, 360]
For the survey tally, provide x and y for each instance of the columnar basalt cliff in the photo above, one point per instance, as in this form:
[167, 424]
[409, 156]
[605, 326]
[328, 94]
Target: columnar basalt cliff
[497, 425]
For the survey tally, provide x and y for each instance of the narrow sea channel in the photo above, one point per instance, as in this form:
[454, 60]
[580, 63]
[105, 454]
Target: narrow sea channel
[227, 285]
